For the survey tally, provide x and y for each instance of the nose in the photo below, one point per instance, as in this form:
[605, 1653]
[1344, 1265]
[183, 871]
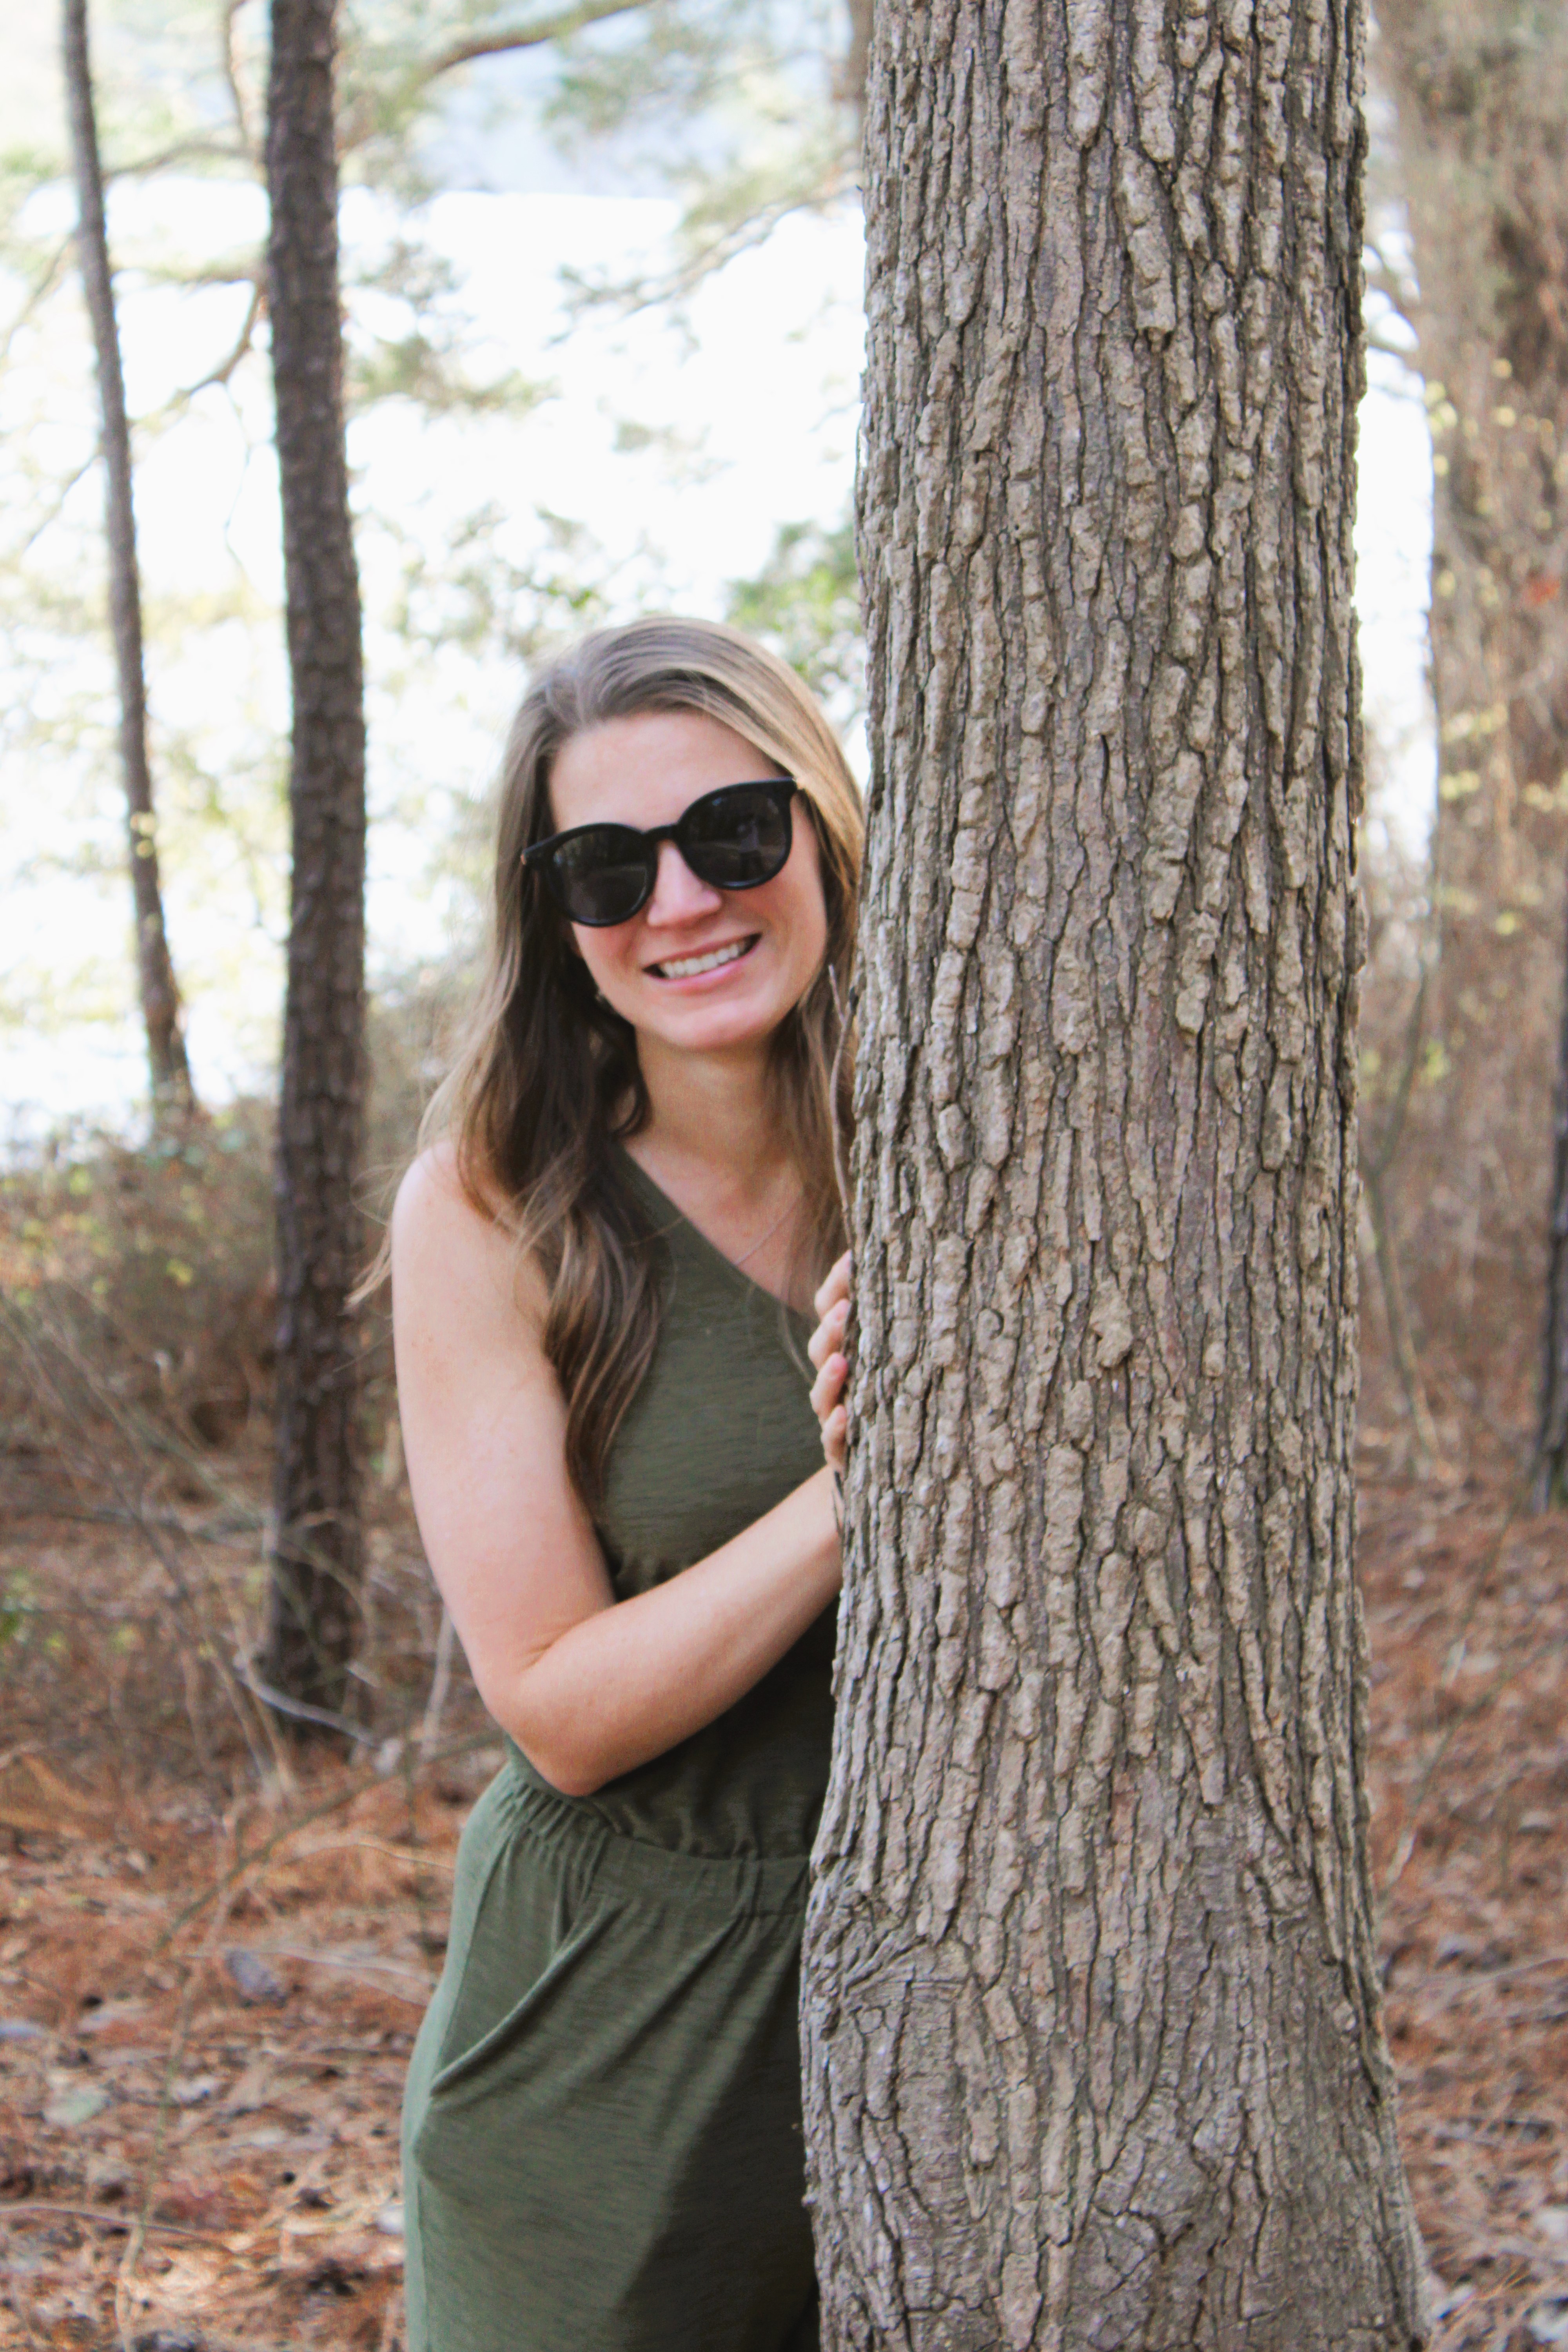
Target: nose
[678, 895]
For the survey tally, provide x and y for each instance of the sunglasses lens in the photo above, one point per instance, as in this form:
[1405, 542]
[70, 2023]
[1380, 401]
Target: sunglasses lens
[603, 875]
[737, 836]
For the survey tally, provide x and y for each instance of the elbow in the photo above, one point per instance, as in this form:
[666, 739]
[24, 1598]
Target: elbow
[556, 1733]
[570, 1769]
[568, 1775]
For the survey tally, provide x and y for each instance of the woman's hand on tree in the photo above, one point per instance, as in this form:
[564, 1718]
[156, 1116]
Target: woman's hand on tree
[826, 1349]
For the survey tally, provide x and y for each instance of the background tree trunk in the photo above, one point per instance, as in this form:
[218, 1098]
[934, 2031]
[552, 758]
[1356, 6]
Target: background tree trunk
[1481, 93]
[1093, 2043]
[160, 1013]
[316, 1536]
[1552, 1448]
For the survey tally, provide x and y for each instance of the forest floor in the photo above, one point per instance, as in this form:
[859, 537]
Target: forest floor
[207, 2003]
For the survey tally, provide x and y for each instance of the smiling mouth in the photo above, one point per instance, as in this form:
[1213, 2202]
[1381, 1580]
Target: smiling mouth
[688, 967]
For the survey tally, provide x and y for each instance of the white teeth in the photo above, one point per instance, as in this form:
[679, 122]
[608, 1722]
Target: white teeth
[683, 967]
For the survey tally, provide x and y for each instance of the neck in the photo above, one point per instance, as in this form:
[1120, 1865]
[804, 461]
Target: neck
[713, 1111]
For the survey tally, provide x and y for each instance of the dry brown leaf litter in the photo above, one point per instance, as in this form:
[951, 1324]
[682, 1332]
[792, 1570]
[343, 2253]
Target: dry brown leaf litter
[198, 2134]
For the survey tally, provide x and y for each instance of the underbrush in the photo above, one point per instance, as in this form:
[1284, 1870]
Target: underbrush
[137, 1312]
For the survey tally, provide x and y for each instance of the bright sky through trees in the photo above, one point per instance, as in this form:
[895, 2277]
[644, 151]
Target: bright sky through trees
[668, 463]
[656, 469]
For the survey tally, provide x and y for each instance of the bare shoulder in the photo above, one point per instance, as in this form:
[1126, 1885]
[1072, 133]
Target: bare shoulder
[443, 1240]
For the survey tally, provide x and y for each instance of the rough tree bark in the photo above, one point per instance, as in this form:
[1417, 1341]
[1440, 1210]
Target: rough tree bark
[1481, 93]
[316, 1541]
[1092, 2034]
[1552, 1449]
[160, 1012]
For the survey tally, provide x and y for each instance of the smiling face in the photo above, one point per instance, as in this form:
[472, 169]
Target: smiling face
[698, 968]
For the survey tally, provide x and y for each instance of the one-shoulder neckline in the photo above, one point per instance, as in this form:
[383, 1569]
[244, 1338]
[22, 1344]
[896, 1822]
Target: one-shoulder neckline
[709, 1248]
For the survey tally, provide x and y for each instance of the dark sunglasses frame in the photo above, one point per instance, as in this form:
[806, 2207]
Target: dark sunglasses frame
[541, 857]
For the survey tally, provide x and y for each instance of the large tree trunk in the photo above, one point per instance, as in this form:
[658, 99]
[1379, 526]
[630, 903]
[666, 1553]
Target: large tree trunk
[1482, 101]
[1093, 2046]
[161, 1014]
[316, 1536]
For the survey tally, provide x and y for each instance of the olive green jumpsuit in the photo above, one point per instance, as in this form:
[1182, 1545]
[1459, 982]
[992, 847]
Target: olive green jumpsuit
[601, 2133]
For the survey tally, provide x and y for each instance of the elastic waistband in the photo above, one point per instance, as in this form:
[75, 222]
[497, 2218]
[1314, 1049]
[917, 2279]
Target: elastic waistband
[726, 1883]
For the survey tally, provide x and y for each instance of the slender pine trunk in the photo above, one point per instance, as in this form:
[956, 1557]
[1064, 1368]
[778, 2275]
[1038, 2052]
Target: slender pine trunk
[161, 1011]
[316, 1543]
[1092, 2030]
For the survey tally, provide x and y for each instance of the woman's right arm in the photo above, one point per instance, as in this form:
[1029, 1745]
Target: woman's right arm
[588, 1686]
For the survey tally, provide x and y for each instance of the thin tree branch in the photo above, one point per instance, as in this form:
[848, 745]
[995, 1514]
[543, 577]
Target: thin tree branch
[715, 252]
[1378, 1162]
[558, 28]
[359, 120]
[43, 285]
[183, 151]
[229, 67]
[25, 2209]
[435, 1707]
[301, 1710]
[56, 508]
[243, 341]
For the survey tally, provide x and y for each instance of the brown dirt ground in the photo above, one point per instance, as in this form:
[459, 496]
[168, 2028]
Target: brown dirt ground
[185, 2164]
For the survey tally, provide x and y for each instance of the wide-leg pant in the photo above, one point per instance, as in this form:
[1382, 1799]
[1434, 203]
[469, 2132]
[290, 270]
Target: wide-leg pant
[601, 2136]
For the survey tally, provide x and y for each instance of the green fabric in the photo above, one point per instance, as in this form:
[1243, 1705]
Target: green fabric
[602, 2140]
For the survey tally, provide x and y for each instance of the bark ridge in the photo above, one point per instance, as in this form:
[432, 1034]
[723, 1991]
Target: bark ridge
[1093, 2043]
[316, 1542]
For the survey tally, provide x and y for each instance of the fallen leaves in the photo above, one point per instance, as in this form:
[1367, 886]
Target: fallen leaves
[242, 1974]
[34, 1799]
[1470, 1797]
[224, 2113]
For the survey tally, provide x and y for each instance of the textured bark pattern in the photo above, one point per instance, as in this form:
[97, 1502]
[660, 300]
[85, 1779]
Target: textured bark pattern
[161, 1011]
[1552, 1463]
[316, 1541]
[1481, 88]
[1092, 2033]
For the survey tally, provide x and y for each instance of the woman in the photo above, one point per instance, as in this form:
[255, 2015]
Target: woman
[600, 1264]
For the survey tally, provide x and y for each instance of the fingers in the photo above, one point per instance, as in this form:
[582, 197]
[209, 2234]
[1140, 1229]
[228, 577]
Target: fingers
[826, 1349]
[827, 1340]
[827, 1389]
[834, 1287]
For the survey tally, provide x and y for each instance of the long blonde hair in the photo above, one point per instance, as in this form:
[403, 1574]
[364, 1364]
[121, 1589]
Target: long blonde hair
[546, 1077]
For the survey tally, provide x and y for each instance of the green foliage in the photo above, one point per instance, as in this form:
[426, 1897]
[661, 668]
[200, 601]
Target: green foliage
[736, 105]
[16, 1612]
[806, 604]
[473, 593]
[728, 103]
[409, 337]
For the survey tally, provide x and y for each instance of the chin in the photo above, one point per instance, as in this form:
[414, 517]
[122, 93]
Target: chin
[718, 1028]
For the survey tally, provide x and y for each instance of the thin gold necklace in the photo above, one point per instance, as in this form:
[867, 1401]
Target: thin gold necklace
[772, 1229]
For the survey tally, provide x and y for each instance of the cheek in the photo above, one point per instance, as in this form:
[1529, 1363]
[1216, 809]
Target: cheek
[808, 906]
[604, 954]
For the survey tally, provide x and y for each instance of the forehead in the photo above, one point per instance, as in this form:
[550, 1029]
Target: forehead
[646, 769]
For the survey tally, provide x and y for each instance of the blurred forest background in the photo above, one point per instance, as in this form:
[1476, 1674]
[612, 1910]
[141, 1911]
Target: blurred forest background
[602, 309]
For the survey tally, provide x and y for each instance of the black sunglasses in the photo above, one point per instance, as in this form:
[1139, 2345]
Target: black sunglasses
[734, 838]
